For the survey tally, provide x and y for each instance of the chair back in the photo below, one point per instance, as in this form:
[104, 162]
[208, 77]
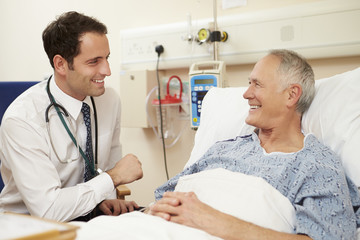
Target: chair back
[8, 92]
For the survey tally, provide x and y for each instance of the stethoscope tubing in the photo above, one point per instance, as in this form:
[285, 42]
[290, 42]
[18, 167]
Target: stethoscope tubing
[57, 108]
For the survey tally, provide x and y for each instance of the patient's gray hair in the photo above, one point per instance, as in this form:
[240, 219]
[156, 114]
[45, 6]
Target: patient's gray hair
[295, 69]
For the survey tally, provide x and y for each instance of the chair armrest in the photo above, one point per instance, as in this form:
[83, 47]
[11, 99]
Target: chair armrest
[122, 191]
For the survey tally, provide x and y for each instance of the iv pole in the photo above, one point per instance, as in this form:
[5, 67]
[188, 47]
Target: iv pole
[215, 30]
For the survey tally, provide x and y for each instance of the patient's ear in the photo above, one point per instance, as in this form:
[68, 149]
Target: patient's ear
[294, 93]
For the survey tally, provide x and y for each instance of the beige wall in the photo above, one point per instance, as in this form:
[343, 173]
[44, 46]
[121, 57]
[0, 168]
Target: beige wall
[22, 58]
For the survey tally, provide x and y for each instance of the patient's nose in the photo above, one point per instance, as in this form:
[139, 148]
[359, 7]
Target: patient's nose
[248, 93]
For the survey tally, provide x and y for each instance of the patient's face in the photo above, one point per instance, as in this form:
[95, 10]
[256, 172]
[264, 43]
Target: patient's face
[266, 99]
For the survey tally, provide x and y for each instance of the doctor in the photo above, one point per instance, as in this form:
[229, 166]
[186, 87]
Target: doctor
[59, 141]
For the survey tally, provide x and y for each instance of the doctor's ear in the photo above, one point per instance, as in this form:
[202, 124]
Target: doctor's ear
[60, 64]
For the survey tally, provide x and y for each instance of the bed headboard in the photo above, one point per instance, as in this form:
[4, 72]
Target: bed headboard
[334, 118]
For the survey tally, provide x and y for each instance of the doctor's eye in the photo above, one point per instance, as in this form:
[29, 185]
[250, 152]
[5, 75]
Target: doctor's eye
[94, 61]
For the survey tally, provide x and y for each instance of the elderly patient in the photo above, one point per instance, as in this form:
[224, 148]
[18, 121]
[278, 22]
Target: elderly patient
[309, 174]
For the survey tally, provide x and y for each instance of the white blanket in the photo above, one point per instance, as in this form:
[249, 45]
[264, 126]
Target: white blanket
[136, 225]
[246, 197]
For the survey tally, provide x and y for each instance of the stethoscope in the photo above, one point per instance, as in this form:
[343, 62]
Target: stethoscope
[62, 111]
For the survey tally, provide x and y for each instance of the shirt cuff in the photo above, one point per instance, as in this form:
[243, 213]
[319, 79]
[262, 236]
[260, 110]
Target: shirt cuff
[103, 186]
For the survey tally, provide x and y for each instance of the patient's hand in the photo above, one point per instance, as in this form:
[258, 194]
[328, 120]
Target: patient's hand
[187, 209]
[183, 208]
[115, 207]
[164, 207]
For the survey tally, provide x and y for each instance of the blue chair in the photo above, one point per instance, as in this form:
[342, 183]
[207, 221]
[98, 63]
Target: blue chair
[8, 92]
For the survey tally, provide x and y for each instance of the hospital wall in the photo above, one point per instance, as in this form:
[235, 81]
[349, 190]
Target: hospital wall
[22, 58]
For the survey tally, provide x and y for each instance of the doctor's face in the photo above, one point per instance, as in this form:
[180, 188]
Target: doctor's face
[90, 67]
[266, 98]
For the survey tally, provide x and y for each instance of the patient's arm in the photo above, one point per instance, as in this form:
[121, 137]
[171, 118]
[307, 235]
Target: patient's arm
[187, 209]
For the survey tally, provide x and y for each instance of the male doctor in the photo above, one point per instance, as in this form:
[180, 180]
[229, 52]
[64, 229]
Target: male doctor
[44, 172]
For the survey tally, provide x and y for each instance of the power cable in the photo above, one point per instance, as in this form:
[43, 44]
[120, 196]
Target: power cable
[160, 49]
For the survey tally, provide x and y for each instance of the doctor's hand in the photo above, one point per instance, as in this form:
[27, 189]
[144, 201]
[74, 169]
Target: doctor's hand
[115, 207]
[127, 170]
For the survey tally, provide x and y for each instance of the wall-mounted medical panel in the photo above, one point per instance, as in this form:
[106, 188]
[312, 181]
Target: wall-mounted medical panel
[321, 29]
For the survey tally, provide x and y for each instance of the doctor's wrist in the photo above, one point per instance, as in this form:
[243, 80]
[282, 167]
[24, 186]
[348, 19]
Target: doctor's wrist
[114, 177]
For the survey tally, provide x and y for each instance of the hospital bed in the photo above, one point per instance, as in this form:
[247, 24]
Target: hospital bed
[334, 118]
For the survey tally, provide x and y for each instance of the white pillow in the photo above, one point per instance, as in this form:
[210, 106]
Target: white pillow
[223, 114]
[334, 118]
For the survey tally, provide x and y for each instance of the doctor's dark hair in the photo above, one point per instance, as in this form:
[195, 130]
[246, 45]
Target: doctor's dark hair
[293, 69]
[62, 36]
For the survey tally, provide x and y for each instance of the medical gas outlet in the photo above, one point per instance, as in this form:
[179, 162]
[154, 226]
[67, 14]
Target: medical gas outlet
[203, 76]
[205, 35]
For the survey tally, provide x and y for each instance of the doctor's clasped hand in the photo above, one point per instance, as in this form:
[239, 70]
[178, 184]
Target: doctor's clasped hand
[126, 171]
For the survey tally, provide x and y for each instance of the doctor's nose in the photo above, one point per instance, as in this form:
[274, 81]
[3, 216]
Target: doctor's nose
[105, 69]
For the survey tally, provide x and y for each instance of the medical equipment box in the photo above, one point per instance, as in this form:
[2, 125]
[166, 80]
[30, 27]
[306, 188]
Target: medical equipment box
[203, 76]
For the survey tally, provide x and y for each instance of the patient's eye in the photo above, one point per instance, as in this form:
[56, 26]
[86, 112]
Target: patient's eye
[255, 83]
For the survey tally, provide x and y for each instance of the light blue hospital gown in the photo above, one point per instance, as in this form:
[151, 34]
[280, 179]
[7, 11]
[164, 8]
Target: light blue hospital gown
[312, 179]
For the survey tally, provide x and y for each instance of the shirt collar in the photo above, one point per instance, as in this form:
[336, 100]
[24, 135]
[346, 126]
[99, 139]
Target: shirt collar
[72, 105]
